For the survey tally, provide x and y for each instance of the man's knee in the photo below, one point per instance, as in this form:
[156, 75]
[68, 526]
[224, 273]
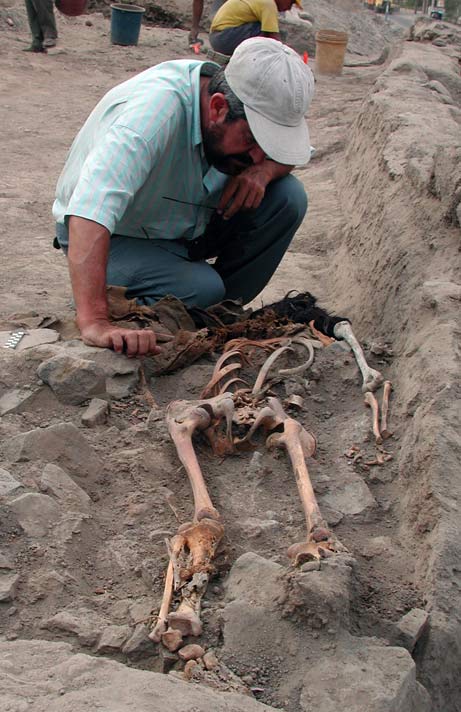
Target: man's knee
[202, 288]
[288, 194]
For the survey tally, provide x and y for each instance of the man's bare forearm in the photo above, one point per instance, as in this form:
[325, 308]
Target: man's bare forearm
[275, 170]
[87, 257]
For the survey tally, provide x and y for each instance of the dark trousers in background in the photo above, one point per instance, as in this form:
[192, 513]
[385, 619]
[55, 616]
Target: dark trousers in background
[226, 41]
[41, 21]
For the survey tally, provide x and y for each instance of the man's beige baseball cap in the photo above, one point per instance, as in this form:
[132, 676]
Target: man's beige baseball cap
[276, 88]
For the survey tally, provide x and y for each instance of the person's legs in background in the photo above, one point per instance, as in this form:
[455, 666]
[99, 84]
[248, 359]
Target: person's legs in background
[226, 41]
[197, 10]
[35, 29]
[42, 23]
[47, 20]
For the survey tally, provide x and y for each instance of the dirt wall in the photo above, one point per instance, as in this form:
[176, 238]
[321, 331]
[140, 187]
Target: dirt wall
[400, 188]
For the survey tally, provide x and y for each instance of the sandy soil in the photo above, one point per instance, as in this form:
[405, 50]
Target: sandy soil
[379, 244]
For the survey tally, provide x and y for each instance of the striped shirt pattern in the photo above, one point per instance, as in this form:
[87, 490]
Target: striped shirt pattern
[138, 160]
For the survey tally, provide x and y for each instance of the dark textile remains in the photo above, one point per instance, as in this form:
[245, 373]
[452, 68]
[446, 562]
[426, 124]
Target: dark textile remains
[302, 309]
[186, 334]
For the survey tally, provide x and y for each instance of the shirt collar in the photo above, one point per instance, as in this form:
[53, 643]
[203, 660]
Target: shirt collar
[206, 69]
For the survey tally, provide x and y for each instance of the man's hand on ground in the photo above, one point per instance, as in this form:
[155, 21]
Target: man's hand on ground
[133, 342]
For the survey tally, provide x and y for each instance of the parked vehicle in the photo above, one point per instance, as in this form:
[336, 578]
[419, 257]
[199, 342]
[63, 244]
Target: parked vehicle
[437, 9]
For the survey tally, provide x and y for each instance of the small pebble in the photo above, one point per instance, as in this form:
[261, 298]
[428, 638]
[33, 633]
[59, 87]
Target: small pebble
[210, 660]
[189, 669]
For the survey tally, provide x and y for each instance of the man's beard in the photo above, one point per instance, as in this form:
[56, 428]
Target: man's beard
[232, 163]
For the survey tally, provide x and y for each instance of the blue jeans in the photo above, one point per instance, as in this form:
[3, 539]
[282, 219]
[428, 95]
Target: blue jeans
[151, 269]
[226, 41]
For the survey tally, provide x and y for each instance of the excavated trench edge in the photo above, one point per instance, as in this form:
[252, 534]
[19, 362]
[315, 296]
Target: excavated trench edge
[387, 172]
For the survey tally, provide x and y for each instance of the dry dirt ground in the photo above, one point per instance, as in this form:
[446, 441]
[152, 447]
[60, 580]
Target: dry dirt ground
[85, 510]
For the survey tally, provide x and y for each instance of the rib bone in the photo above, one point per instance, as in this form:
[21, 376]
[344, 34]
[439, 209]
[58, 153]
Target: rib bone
[307, 343]
[372, 379]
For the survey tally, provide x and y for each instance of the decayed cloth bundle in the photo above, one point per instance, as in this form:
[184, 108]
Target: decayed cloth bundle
[188, 333]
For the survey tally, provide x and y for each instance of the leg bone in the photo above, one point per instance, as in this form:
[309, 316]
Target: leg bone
[183, 419]
[162, 621]
[194, 564]
[371, 401]
[372, 379]
[385, 433]
[299, 444]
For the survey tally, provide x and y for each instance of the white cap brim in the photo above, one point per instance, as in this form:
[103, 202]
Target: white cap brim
[289, 145]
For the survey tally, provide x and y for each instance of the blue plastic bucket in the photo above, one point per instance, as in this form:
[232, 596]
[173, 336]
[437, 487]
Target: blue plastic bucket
[125, 24]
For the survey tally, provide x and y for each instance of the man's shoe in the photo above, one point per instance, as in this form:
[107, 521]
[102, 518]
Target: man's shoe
[33, 48]
[49, 42]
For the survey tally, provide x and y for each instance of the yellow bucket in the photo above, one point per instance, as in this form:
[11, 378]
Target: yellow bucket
[330, 48]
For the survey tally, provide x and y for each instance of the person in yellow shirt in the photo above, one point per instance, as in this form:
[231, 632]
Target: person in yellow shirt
[238, 20]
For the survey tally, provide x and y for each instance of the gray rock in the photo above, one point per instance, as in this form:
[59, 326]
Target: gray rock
[254, 527]
[8, 587]
[8, 483]
[364, 677]
[33, 338]
[252, 616]
[112, 364]
[122, 386]
[5, 563]
[96, 413]
[72, 380]
[352, 499]
[53, 679]
[411, 627]
[62, 444]
[251, 630]
[376, 546]
[69, 525]
[113, 638]
[139, 641]
[82, 623]
[256, 466]
[323, 596]
[141, 611]
[47, 584]
[244, 581]
[36, 513]
[57, 482]
[121, 372]
[13, 401]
